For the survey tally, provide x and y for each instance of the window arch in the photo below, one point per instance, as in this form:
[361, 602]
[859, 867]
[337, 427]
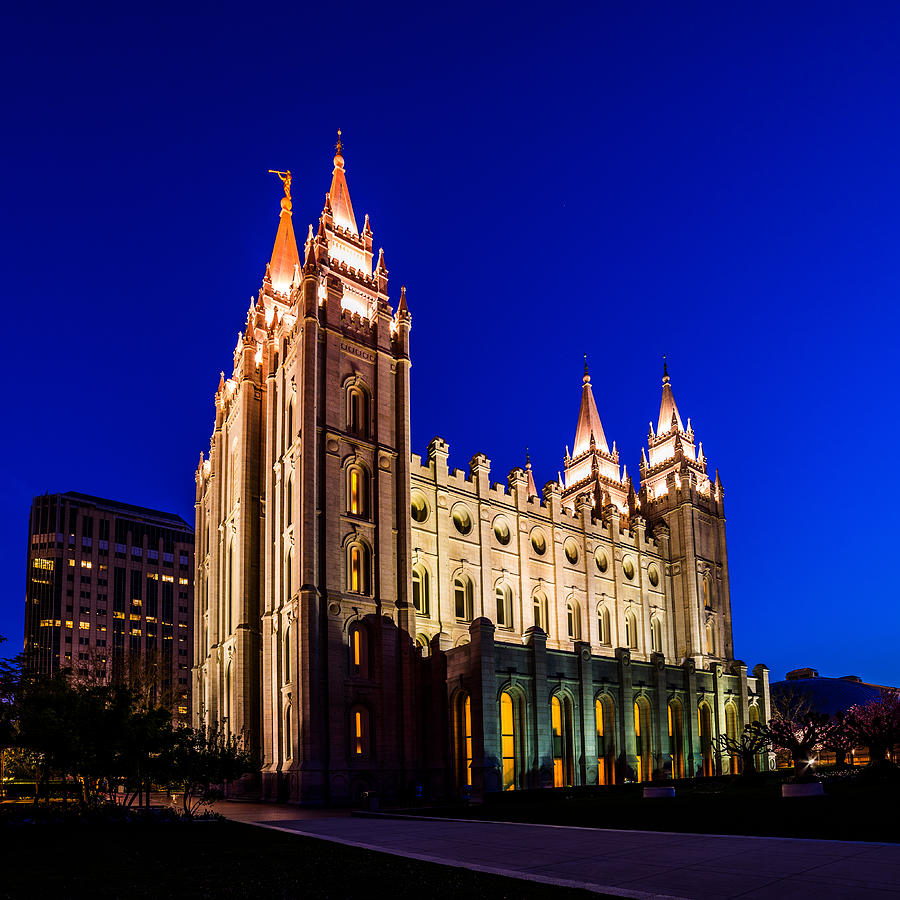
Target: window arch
[631, 632]
[421, 588]
[360, 732]
[357, 410]
[541, 612]
[676, 739]
[604, 712]
[230, 587]
[504, 597]
[561, 733]
[642, 738]
[706, 587]
[289, 501]
[710, 639]
[462, 740]
[704, 716]
[731, 730]
[463, 598]
[656, 644]
[288, 737]
[573, 619]
[226, 706]
[359, 567]
[603, 625]
[357, 490]
[510, 740]
[286, 654]
[359, 650]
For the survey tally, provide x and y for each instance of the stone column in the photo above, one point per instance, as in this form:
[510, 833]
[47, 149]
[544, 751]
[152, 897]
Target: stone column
[661, 744]
[485, 711]
[540, 768]
[587, 759]
[626, 764]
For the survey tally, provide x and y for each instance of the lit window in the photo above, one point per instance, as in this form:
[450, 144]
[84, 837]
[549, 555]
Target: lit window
[359, 717]
[501, 530]
[418, 507]
[359, 651]
[84, 626]
[169, 579]
[504, 606]
[571, 550]
[358, 567]
[356, 411]
[182, 581]
[357, 491]
[508, 738]
[86, 564]
[462, 520]
[538, 541]
[573, 620]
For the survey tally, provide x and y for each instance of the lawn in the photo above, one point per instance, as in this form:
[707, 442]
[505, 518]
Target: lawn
[858, 810]
[226, 859]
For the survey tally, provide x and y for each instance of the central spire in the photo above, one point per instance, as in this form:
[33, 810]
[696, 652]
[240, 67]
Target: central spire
[667, 407]
[341, 207]
[588, 420]
[284, 254]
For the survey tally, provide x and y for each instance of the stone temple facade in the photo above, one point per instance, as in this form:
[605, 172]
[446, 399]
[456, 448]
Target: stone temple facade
[370, 620]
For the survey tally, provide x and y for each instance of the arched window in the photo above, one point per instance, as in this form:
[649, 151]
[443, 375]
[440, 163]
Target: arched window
[541, 615]
[704, 715]
[762, 761]
[357, 410]
[289, 501]
[504, 606]
[288, 738]
[462, 740]
[603, 630]
[706, 586]
[226, 706]
[289, 425]
[359, 650]
[561, 734]
[463, 598]
[286, 653]
[421, 588]
[656, 643]
[731, 731]
[573, 619]
[631, 633]
[357, 491]
[606, 740]
[359, 568]
[289, 574]
[231, 604]
[359, 732]
[510, 738]
[676, 739]
[642, 738]
[710, 639]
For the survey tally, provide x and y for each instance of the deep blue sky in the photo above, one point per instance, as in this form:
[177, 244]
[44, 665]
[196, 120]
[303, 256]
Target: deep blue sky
[719, 182]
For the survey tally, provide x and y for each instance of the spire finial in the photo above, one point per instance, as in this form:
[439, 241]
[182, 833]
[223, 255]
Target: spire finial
[527, 457]
[587, 377]
[286, 181]
[665, 370]
[339, 151]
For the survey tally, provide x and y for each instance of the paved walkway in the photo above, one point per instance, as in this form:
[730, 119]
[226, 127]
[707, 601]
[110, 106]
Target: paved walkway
[623, 863]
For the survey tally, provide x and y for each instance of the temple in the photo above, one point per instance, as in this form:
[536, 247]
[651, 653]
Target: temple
[371, 620]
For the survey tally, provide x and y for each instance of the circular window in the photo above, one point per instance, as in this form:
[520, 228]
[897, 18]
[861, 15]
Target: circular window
[653, 575]
[461, 519]
[628, 568]
[418, 507]
[602, 561]
[538, 541]
[571, 549]
[501, 530]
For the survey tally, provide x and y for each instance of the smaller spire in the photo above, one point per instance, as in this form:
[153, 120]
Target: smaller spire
[367, 228]
[402, 308]
[587, 376]
[311, 262]
[222, 388]
[380, 265]
[532, 487]
[665, 370]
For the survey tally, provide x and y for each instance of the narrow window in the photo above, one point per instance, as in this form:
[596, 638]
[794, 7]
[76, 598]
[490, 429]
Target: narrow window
[656, 635]
[508, 741]
[289, 501]
[603, 625]
[359, 651]
[357, 489]
[731, 732]
[606, 741]
[631, 638]
[288, 742]
[356, 411]
[359, 724]
[573, 620]
[710, 639]
[642, 738]
[421, 592]
[463, 599]
[289, 426]
[504, 606]
[704, 715]
[541, 613]
[462, 732]
[561, 726]
[358, 565]
[287, 653]
[288, 574]
[676, 739]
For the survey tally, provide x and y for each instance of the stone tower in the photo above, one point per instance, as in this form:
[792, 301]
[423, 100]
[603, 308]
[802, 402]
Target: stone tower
[686, 513]
[303, 505]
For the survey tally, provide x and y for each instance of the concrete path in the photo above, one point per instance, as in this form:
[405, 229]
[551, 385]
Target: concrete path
[622, 863]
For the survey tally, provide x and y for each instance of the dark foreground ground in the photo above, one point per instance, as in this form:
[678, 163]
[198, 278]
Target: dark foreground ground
[858, 809]
[226, 859]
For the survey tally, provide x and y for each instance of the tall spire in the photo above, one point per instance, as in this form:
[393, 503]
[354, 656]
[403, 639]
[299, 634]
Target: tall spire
[532, 488]
[341, 207]
[667, 407]
[284, 253]
[588, 420]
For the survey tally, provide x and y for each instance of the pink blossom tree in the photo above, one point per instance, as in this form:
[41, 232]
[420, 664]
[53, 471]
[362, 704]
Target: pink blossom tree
[875, 725]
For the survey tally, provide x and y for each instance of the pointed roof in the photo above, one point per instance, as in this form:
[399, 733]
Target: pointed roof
[341, 207]
[532, 487]
[667, 408]
[284, 253]
[588, 421]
